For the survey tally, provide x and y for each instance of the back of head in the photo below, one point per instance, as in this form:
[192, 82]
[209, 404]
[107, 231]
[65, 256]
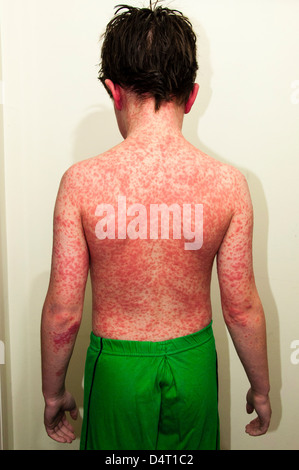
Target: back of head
[150, 51]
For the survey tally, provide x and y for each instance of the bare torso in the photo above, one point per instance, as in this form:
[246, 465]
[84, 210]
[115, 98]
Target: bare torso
[153, 289]
[147, 286]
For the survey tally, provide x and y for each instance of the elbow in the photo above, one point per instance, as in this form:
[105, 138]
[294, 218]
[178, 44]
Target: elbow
[60, 313]
[234, 318]
[61, 318]
[244, 314]
[60, 326]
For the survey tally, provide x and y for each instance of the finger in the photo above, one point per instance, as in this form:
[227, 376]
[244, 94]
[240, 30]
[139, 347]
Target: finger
[252, 427]
[63, 435]
[68, 438]
[68, 430]
[256, 428]
[63, 432]
[68, 425]
[74, 413]
[56, 436]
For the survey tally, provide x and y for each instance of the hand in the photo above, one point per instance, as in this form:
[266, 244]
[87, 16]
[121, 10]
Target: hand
[56, 424]
[261, 404]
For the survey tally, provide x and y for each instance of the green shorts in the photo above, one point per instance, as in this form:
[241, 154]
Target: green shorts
[142, 395]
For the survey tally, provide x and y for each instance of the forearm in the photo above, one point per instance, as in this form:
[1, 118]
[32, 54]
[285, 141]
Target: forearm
[248, 332]
[59, 328]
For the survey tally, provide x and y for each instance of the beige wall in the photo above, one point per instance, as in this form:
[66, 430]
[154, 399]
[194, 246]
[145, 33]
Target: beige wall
[57, 113]
[3, 272]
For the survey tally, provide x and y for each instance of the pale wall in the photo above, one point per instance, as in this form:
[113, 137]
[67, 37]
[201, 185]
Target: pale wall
[57, 113]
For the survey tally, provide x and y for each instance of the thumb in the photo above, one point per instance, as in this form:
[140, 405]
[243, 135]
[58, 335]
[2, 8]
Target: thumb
[249, 402]
[71, 406]
[74, 413]
[249, 408]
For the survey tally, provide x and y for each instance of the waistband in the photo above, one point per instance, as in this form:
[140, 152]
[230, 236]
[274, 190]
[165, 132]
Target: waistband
[151, 348]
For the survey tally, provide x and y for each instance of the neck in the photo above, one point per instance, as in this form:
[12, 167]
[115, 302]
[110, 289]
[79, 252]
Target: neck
[140, 120]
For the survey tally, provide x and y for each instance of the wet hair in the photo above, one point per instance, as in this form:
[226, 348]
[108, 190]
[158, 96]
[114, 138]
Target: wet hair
[151, 52]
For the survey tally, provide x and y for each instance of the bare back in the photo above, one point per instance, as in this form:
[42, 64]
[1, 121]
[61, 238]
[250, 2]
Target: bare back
[144, 288]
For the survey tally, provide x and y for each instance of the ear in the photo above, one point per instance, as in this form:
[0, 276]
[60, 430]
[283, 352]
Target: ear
[192, 98]
[116, 93]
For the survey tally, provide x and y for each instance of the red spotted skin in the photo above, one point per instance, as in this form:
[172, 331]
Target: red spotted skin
[148, 289]
[152, 289]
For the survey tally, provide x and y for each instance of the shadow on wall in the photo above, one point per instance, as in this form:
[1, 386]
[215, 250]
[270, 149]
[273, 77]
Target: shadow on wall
[260, 250]
[98, 132]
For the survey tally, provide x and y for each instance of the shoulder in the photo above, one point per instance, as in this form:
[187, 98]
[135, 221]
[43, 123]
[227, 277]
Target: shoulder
[228, 186]
[226, 175]
[237, 188]
[85, 170]
[79, 174]
[238, 192]
[73, 181]
[229, 173]
[76, 172]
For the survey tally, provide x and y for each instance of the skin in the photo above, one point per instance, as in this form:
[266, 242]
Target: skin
[151, 289]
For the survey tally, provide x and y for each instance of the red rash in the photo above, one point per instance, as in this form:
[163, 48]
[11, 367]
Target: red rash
[63, 339]
[148, 289]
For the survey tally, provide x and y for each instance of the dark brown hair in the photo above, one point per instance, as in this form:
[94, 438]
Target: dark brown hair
[150, 51]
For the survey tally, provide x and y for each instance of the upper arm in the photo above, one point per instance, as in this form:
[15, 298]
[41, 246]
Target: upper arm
[70, 255]
[234, 258]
